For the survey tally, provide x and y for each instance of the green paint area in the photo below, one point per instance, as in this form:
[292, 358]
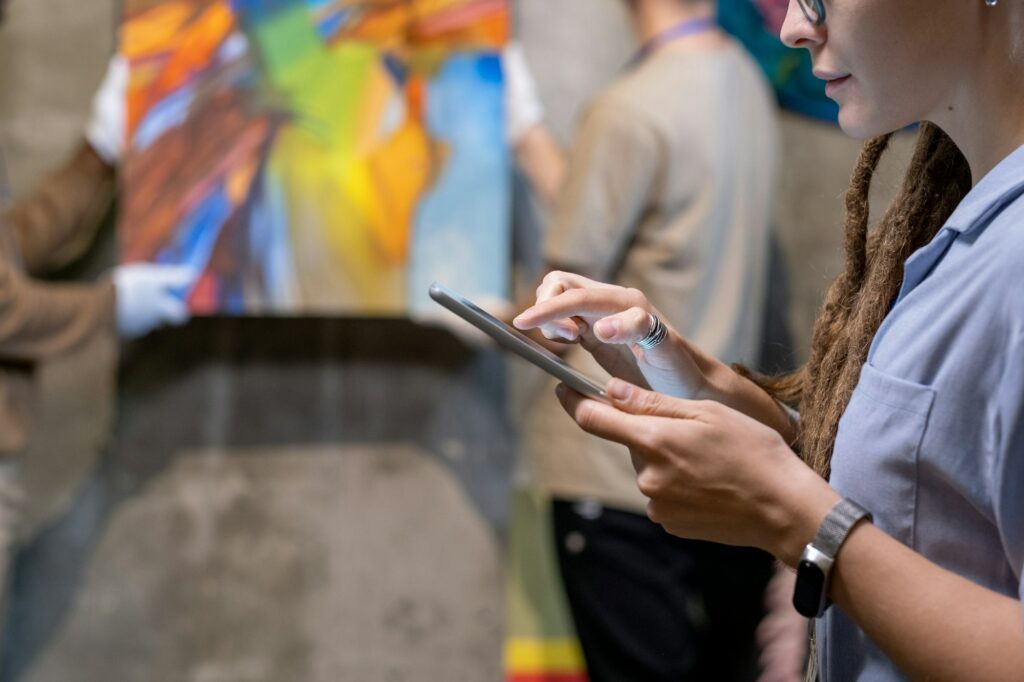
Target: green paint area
[318, 84]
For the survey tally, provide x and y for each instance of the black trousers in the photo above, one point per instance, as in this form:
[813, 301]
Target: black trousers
[651, 607]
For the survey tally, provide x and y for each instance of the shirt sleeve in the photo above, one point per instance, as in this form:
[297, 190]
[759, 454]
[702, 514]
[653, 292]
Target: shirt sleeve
[1008, 474]
[56, 222]
[613, 167]
[106, 127]
[40, 320]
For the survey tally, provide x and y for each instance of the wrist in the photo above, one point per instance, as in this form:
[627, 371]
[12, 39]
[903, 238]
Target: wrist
[804, 500]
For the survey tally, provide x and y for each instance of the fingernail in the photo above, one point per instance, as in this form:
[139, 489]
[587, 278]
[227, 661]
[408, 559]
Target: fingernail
[566, 333]
[518, 321]
[607, 328]
[619, 390]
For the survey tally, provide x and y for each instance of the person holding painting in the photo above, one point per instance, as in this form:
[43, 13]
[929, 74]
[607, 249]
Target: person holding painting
[669, 187]
[39, 320]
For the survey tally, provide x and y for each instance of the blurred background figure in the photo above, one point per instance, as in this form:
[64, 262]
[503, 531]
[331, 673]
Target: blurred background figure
[669, 187]
[43, 232]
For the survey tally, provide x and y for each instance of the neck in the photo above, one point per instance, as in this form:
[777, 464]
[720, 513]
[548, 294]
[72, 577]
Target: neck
[984, 117]
[653, 17]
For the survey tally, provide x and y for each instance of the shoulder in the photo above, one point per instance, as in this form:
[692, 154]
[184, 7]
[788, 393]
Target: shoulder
[1005, 235]
[617, 115]
[623, 99]
[1004, 258]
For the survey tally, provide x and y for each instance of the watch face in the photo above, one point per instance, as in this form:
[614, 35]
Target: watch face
[809, 592]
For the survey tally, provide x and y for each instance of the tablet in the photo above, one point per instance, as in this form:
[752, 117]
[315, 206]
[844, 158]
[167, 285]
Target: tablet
[512, 339]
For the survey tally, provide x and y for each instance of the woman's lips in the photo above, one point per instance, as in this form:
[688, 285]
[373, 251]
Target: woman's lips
[835, 84]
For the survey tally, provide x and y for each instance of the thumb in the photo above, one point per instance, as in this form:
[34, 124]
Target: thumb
[635, 400]
[173, 311]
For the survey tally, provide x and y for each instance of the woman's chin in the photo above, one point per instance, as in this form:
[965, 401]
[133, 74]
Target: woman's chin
[862, 123]
[852, 124]
[860, 127]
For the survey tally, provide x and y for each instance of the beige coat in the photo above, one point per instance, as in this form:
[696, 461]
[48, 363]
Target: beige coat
[41, 320]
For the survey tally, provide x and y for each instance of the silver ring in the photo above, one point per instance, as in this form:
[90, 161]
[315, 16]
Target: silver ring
[655, 335]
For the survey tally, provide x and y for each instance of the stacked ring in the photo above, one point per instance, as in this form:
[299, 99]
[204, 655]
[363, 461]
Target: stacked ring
[655, 335]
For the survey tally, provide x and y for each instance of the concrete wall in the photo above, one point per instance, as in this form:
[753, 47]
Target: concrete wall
[307, 500]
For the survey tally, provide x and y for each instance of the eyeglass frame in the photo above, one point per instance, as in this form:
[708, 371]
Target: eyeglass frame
[814, 10]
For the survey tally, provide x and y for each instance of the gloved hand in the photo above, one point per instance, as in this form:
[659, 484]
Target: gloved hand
[523, 108]
[105, 130]
[151, 296]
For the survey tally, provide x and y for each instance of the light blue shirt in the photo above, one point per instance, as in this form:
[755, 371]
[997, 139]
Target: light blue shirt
[932, 442]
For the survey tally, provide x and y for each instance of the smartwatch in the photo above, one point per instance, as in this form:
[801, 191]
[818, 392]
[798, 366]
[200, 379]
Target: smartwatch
[810, 596]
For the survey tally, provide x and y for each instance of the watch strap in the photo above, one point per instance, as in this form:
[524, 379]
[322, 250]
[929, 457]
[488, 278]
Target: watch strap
[837, 525]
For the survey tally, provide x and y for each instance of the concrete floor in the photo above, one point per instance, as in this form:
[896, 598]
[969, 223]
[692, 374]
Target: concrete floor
[280, 500]
[302, 563]
[295, 500]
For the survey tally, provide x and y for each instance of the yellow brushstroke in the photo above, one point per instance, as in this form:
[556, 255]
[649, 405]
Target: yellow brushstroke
[527, 655]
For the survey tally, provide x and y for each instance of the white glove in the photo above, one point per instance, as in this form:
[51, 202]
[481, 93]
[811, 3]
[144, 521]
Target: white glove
[523, 108]
[151, 296]
[105, 130]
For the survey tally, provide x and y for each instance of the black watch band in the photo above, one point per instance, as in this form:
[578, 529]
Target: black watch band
[810, 596]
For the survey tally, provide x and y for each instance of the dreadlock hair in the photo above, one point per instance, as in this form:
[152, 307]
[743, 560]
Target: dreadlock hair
[937, 180]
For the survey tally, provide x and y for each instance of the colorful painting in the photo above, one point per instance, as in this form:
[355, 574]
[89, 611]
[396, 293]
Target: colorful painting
[318, 156]
[756, 23]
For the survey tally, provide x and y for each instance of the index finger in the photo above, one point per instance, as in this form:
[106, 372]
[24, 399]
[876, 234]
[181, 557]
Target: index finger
[597, 301]
[559, 281]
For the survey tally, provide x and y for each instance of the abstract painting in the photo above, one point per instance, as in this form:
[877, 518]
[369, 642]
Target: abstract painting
[318, 156]
[756, 24]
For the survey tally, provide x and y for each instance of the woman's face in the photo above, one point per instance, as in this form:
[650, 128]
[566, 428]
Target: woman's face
[890, 63]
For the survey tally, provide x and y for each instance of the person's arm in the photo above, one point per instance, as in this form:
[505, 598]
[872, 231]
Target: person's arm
[43, 320]
[543, 163]
[932, 623]
[714, 474]
[539, 157]
[57, 221]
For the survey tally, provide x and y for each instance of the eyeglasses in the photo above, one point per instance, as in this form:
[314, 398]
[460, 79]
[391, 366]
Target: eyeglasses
[814, 10]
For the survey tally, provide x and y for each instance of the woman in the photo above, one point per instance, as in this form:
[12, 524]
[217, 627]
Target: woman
[911, 407]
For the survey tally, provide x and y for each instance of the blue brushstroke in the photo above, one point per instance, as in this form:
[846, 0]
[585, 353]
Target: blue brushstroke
[461, 230]
[332, 24]
[398, 70]
[196, 235]
[270, 248]
[169, 113]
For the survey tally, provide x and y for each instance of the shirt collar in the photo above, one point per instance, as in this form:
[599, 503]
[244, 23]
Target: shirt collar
[999, 187]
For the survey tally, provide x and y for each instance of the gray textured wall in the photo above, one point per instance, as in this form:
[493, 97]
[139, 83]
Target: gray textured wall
[314, 499]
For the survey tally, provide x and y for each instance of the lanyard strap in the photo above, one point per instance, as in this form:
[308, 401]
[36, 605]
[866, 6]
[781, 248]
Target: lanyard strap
[670, 34]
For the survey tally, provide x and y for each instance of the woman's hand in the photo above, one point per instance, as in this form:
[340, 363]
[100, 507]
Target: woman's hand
[608, 320]
[711, 473]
